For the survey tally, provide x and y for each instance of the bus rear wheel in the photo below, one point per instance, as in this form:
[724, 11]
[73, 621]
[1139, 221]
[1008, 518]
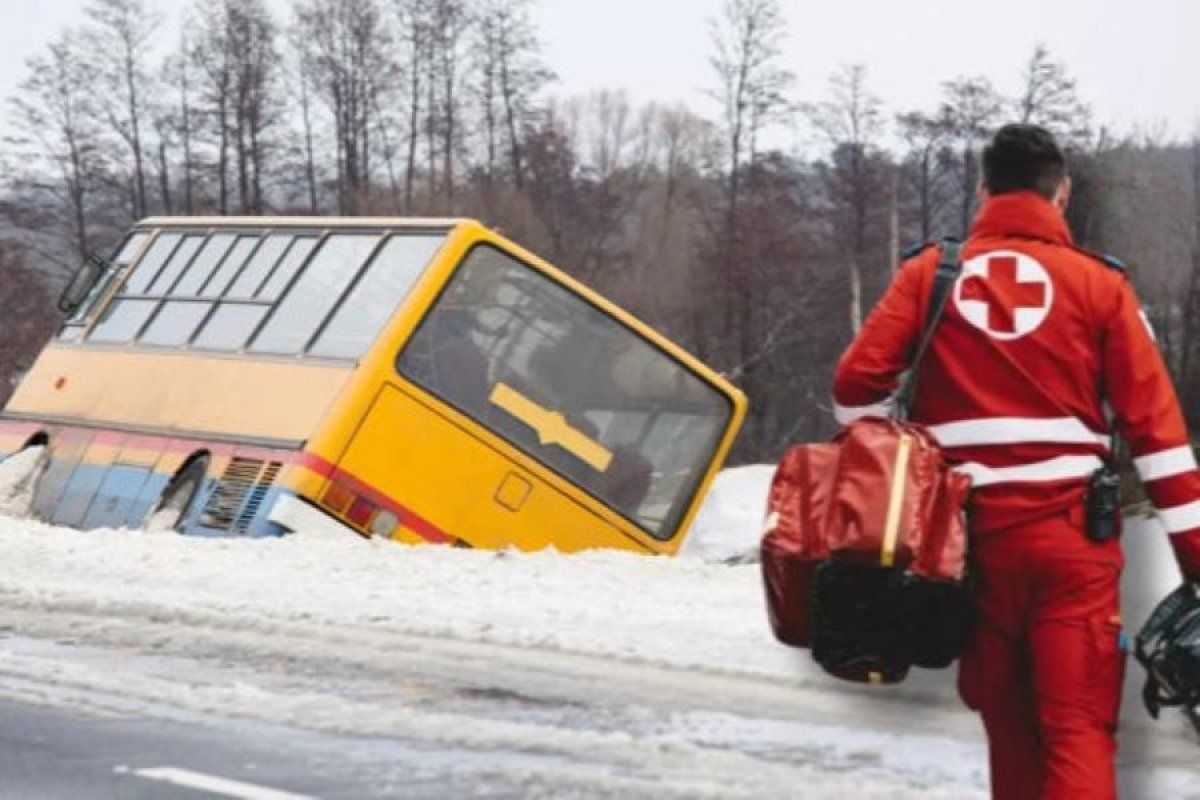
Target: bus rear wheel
[176, 498]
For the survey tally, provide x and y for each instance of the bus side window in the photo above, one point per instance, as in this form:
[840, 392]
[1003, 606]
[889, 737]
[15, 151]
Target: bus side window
[147, 269]
[314, 293]
[389, 277]
[261, 263]
[122, 321]
[214, 285]
[204, 263]
[179, 261]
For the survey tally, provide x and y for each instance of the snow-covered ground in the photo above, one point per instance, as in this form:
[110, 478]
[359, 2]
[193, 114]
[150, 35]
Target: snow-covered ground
[696, 691]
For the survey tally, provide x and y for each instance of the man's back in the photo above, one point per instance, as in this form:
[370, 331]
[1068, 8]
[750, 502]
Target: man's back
[1035, 346]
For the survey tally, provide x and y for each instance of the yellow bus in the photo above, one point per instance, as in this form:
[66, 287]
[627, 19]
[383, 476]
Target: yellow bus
[424, 380]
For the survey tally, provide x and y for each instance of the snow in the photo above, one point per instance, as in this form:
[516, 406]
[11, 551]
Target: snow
[730, 521]
[615, 617]
[18, 477]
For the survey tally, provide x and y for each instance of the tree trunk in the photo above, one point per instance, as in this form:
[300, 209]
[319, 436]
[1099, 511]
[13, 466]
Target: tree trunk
[968, 190]
[855, 297]
[310, 167]
[164, 178]
[186, 122]
[222, 155]
[135, 131]
[510, 121]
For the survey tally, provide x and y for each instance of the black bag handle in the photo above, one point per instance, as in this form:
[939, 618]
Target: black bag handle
[947, 272]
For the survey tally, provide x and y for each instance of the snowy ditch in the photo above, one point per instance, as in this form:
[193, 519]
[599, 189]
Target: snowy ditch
[621, 618]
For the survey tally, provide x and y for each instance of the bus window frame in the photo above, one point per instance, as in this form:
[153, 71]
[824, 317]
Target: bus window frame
[362, 274]
[679, 512]
[296, 234]
[382, 234]
[385, 234]
[163, 298]
[216, 301]
[84, 318]
[237, 276]
[262, 227]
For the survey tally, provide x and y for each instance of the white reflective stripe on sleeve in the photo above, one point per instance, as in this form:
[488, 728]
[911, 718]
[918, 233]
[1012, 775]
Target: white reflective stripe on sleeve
[1181, 518]
[847, 414]
[1055, 469]
[1165, 463]
[1016, 430]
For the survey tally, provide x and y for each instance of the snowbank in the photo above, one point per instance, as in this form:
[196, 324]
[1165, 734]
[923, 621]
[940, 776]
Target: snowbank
[676, 612]
[730, 521]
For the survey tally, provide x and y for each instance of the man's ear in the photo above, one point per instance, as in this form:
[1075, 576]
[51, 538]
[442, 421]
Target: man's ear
[982, 193]
[1062, 195]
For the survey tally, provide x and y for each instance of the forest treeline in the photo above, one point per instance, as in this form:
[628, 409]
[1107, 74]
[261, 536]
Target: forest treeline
[762, 261]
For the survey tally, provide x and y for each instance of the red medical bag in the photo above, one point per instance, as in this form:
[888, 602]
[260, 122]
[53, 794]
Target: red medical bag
[864, 552]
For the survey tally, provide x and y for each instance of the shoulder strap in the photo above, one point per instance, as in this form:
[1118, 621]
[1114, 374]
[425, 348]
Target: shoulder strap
[947, 272]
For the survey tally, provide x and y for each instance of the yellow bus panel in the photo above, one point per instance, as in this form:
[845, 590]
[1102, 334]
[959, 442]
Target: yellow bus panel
[225, 395]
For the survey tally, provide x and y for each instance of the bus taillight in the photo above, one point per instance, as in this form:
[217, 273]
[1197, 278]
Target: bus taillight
[337, 497]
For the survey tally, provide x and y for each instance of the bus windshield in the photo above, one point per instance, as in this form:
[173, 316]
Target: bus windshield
[571, 386]
[281, 292]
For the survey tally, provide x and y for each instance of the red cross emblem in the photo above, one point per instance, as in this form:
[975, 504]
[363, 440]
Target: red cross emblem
[1004, 293]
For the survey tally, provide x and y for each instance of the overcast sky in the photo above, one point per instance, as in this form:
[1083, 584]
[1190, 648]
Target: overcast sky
[1137, 61]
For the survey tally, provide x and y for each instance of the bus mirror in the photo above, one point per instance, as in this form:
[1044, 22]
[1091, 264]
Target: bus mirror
[81, 283]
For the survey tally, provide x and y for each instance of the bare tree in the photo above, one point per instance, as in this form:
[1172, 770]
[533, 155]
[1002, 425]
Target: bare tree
[120, 39]
[747, 41]
[347, 45]
[414, 22]
[926, 138]
[511, 74]
[57, 137]
[751, 82]
[210, 53]
[449, 22]
[1049, 98]
[971, 108]
[851, 121]
[178, 120]
[254, 62]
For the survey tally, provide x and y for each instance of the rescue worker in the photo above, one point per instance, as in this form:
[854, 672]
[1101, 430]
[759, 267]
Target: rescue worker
[1043, 352]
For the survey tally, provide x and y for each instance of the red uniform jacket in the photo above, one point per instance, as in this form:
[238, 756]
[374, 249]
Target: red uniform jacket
[1043, 349]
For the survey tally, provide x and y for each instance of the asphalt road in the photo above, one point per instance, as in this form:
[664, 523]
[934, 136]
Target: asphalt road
[55, 754]
[446, 720]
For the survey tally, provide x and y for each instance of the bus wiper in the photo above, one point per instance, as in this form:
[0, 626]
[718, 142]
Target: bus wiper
[551, 427]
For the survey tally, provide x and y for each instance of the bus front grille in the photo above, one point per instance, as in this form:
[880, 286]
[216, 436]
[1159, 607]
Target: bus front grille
[239, 494]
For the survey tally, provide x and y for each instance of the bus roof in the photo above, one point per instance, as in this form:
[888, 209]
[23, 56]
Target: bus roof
[307, 222]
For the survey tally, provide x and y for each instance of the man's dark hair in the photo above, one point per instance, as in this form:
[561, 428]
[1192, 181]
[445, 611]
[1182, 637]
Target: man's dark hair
[1021, 158]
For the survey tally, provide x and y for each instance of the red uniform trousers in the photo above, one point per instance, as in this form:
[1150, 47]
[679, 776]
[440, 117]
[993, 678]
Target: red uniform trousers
[1047, 659]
